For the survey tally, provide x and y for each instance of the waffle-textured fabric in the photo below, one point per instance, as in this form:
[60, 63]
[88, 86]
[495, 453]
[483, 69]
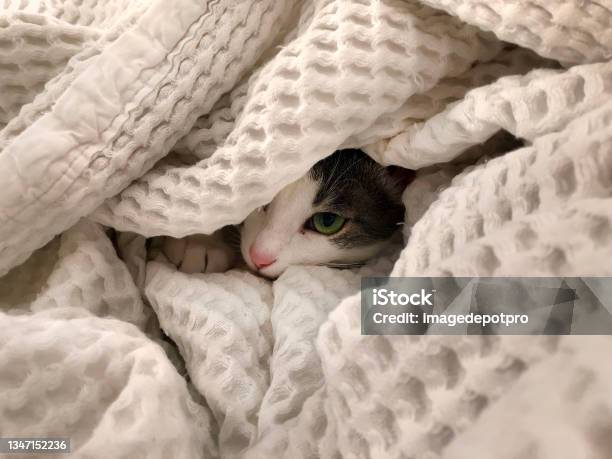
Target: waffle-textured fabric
[179, 117]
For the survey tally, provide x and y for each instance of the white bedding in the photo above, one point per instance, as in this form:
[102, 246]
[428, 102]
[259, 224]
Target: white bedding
[158, 117]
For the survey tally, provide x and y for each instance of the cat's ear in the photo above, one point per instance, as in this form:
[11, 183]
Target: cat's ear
[399, 178]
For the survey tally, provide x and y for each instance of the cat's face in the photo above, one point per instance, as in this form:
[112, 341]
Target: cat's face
[341, 213]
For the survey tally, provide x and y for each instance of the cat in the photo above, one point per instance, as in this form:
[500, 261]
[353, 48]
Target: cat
[340, 214]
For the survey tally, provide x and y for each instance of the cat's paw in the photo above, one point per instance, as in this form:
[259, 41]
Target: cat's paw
[199, 253]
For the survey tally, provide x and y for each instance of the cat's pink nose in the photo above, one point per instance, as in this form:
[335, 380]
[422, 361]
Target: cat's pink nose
[260, 259]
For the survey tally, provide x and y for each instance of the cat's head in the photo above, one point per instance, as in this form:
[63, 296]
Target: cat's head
[341, 213]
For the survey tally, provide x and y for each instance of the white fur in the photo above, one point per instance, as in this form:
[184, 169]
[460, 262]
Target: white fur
[199, 253]
[279, 231]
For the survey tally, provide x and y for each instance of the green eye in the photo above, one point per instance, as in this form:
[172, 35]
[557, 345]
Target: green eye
[327, 223]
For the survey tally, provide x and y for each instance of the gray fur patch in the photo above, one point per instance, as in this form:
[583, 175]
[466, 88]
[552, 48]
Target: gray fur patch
[353, 185]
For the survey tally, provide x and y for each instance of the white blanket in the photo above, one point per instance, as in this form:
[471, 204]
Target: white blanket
[179, 117]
